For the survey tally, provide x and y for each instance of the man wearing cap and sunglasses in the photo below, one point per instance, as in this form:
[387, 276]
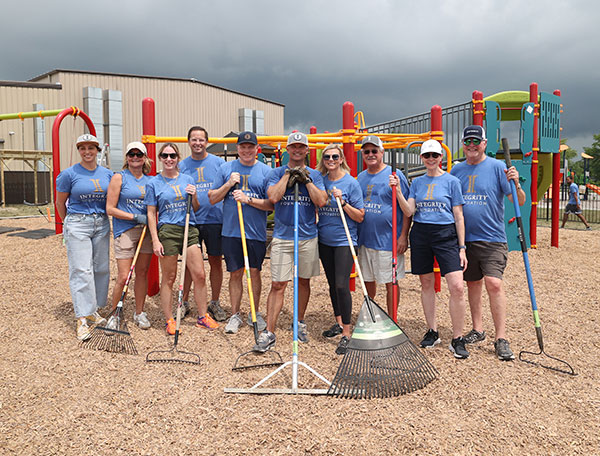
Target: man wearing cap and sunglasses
[375, 232]
[485, 181]
[243, 180]
[312, 195]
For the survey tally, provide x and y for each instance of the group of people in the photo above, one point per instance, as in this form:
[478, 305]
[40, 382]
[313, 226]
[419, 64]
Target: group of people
[456, 217]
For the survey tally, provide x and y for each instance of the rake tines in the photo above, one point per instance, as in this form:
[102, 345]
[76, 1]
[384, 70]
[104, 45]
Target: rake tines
[275, 356]
[388, 372]
[112, 340]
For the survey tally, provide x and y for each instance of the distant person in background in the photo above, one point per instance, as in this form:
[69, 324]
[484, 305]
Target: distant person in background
[250, 176]
[574, 204]
[86, 232]
[334, 251]
[125, 204]
[375, 236]
[203, 168]
[485, 181]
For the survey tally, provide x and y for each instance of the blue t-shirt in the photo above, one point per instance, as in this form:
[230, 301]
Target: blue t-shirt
[86, 189]
[204, 172]
[331, 228]
[375, 232]
[435, 197]
[284, 209]
[573, 190]
[131, 199]
[253, 182]
[483, 186]
[170, 197]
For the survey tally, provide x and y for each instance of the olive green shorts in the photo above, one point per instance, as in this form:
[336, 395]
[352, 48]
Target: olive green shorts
[171, 238]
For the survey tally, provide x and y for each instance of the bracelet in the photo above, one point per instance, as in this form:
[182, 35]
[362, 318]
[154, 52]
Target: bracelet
[344, 203]
[462, 247]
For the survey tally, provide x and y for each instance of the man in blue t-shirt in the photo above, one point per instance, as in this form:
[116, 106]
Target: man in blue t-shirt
[203, 167]
[244, 181]
[485, 181]
[375, 237]
[574, 205]
[312, 195]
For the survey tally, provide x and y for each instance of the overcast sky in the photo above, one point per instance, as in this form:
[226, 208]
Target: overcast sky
[391, 58]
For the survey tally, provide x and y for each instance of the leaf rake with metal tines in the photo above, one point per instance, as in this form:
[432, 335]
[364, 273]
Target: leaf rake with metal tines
[380, 361]
[114, 336]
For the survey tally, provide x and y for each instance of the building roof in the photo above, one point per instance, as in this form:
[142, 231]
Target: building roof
[30, 84]
[192, 80]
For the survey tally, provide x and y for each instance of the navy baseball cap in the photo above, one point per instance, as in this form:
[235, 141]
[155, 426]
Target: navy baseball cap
[247, 137]
[474, 131]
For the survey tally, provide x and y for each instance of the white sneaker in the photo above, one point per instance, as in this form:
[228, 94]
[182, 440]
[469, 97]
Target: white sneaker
[96, 319]
[141, 320]
[234, 323]
[83, 330]
[260, 321]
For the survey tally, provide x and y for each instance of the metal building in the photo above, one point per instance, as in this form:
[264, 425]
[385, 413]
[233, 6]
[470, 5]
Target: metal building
[114, 103]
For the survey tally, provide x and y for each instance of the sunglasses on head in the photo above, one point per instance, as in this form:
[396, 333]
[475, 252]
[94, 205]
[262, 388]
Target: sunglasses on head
[135, 154]
[331, 157]
[370, 151]
[172, 156]
[431, 154]
[473, 141]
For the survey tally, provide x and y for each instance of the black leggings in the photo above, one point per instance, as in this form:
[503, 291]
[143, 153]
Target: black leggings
[337, 262]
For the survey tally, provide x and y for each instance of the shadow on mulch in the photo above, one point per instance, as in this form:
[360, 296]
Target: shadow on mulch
[34, 234]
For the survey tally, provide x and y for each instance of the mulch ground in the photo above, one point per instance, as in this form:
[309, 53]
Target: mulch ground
[57, 398]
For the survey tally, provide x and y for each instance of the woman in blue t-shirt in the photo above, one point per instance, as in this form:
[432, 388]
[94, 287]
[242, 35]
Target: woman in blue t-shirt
[166, 196]
[81, 204]
[125, 203]
[438, 232]
[334, 251]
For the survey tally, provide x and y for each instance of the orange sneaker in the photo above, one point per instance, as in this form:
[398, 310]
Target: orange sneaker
[170, 326]
[206, 322]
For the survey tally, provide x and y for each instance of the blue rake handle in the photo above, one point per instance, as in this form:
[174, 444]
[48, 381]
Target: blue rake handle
[534, 308]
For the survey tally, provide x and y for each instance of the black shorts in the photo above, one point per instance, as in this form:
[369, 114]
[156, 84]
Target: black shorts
[485, 259]
[234, 253]
[428, 240]
[572, 209]
[210, 233]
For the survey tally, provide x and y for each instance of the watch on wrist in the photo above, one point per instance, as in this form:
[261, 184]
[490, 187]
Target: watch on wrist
[344, 203]
[462, 246]
[249, 200]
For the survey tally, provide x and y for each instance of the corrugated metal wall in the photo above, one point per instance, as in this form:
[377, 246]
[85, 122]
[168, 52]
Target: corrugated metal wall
[179, 105]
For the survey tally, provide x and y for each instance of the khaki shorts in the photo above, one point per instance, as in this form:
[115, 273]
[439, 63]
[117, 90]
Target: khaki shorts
[376, 265]
[171, 238]
[282, 259]
[127, 242]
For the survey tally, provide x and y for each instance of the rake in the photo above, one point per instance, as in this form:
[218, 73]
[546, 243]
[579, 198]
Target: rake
[565, 366]
[174, 355]
[381, 361]
[114, 336]
[252, 308]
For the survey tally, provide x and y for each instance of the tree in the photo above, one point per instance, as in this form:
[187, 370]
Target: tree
[594, 151]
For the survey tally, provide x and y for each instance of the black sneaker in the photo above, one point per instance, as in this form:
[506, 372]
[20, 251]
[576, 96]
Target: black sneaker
[503, 351]
[335, 330]
[457, 346]
[266, 341]
[342, 346]
[430, 339]
[217, 312]
[474, 336]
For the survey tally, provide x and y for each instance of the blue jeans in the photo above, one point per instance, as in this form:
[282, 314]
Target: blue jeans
[87, 238]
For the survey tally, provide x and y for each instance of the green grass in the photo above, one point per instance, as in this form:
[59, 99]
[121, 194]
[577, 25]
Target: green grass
[19, 210]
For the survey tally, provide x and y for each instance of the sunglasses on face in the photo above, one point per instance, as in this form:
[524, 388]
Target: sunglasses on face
[430, 155]
[172, 156]
[331, 157]
[370, 151]
[473, 141]
[135, 154]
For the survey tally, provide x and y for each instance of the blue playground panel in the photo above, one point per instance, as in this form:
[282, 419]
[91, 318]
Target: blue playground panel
[512, 231]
